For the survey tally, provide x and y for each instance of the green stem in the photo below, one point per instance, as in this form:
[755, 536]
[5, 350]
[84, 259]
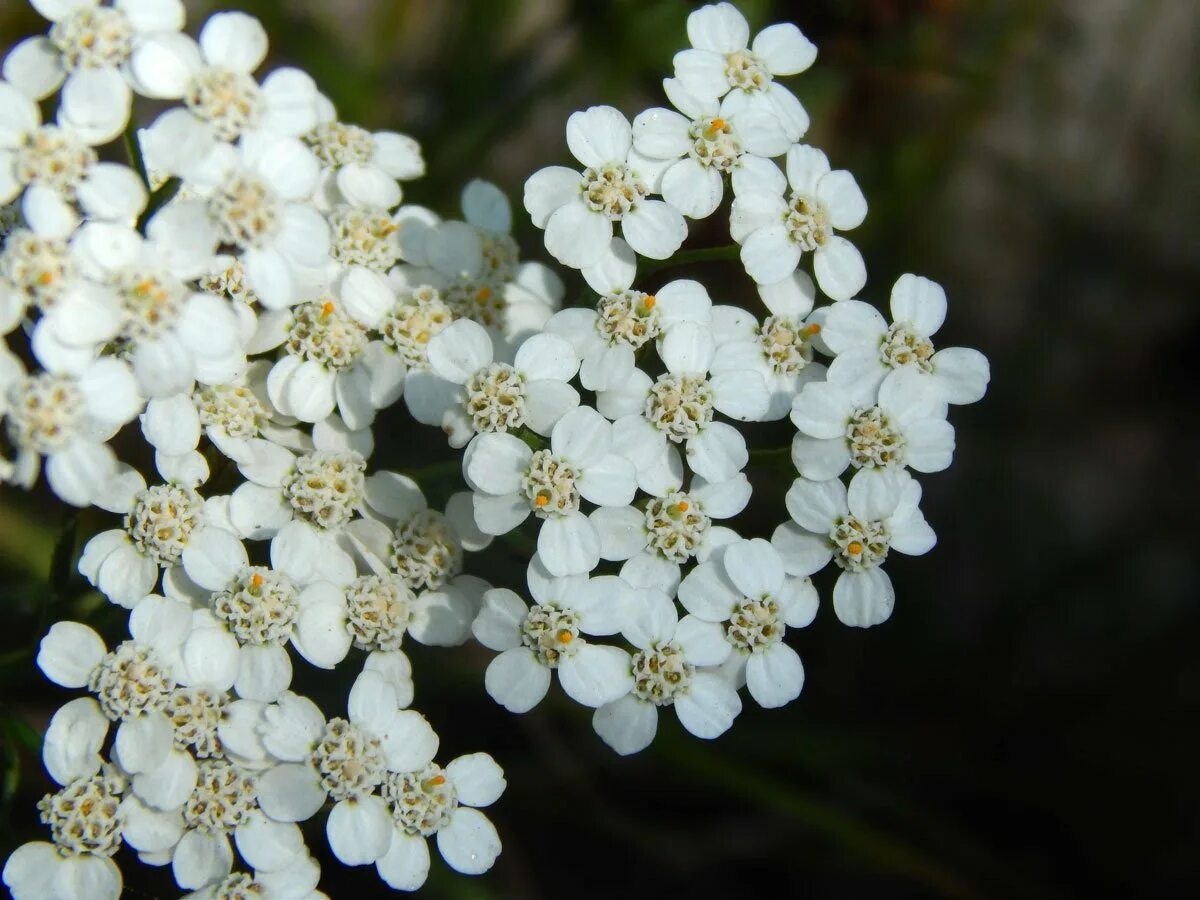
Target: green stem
[771, 453]
[134, 150]
[157, 201]
[531, 438]
[699, 255]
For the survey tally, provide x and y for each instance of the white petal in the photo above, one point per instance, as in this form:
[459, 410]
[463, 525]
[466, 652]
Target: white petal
[839, 268]
[485, 206]
[775, 676]
[621, 530]
[267, 845]
[719, 27]
[814, 505]
[359, 830]
[164, 64]
[740, 394]
[718, 452]
[770, 255]
[69, 652]
[469, 844]
[710, 707]
[264, 672]
[211, 659]
[654, 229]
[820, 459]
[628, 725]
[477, 778]
[293, 725]
[799, 602]
[701, 72]
[150, 830]
[546, 356]
[496, 462]
[693, 189]
[213, 557]
[321, 636]
[200, 859]
[516, 680]
[34, 67]
[576, 236]
[784, 49]
[569, 544]
[548, 189]
[547, 401]
[441, 619]
[919, 302]
[596, 674]
[290, 793]
[405, 866]
[71, 747]
[95, 103]
[168, 785]
[961, 374]
[143, 742]
[709, 593]
[862, 599]
[409, 743]
[661, 133]
[171, 424]
[703, 643]
[722, 499]
[234, 40]
[460, 350]
[598, 136]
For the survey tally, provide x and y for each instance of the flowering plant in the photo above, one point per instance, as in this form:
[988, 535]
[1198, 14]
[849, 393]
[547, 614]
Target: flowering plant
[250, 293]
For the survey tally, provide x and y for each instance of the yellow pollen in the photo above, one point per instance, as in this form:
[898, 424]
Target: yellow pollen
[855, 548]
[717, 124]
[256, 580]
[814, 328]
[484, 293]
[45, 278]
[682, 506]
[565, 637]
[327, 309]
[541, 500]
[437, 780]
[649, 301]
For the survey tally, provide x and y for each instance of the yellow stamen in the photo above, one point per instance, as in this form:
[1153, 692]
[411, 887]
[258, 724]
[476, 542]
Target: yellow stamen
[541, 500]
[484, 294]
[437, 780]
[717, 124]
[682, 506]
[649, 301]
[855, 548]
[45, 278]
[814, 328]
[565, 637]
[327, 309]
[256, 580]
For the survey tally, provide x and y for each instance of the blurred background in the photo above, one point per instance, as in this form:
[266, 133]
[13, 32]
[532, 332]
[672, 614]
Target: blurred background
[1026, 723]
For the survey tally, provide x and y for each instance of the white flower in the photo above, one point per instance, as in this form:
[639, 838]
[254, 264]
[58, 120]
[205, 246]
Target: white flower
[332, 364]
[214, 79]
[723, 63]
[346, 760]
[867, 348]
[254, 196]
[534, 641]
[579, 211]
[441, 801]
[674, 528]
[669, 669]
[89, 45]
[775, 231]
[67, 419]
[856, 529]
[511, 480]
[295, 880]
[906, 427]
[57, 163]
[361, 167]
[704, 144]
[746, 592]
[624, 320]
[679, 406]
[780, 348]
[485, 395]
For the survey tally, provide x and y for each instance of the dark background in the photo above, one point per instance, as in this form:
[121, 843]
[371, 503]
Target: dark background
[1026, 723]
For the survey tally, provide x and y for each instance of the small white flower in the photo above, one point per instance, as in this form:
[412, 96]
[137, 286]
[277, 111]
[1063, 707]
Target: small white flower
[296, 879]
[776, 231]
[723, 63]
[578, 211]
[441, 801]
[867, 348]
[746, 592]
[89, 46]
[534, 641]
[511, 480]
[906, 427]
[856, 529]
[704, 144]
[669, 669]
[679, 406]
[482, 395]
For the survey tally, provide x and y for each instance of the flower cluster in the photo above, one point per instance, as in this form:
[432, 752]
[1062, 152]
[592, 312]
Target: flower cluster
[250, 294]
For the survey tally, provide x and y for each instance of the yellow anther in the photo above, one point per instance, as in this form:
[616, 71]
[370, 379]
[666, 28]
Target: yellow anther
[565, 636]
[484, 294]
[327, 309]
[855, 548]
[256, 580]
[682, 506]
[46, 278]
[649, 301]
[541, 500]
[717, 124]
[814, 328]
[437, 780]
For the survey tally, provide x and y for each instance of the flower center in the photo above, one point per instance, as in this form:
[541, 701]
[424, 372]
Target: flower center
[413, 322]
[662, 674]
[129, 680]
[238, 886]
[807, 222]
[426, 552]
[85, 816]
[94, 38]
[349, 762]
[322, 333]
[150, 300]
[232, 408]
[37, 266]
[196, 715]
[551, 633]
[54, 158]
[613, 190]
[902, 346]
[259, 607]
[378, 609]
[222, 800]
[549, 485]
[477, 301]
[785, 341]
[858, 545]
[364, 237]
[680, 406]
[715, 144]
[336, 144]
[326, 487]
[245, 211]
[496, 398]
[229, 101]
[755, 625]
[874, 442]
[160, 521]
[421, 802]
[229, 282]
[628, 317]
[45, 413]
[675, 526]
[746, 72]
[500, 255]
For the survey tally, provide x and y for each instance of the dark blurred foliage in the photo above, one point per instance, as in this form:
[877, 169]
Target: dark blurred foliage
[1026, 723]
